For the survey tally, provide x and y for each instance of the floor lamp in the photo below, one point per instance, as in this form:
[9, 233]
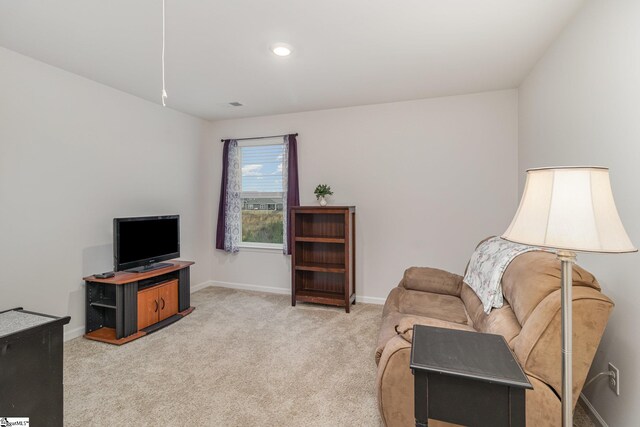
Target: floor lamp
[569, 209]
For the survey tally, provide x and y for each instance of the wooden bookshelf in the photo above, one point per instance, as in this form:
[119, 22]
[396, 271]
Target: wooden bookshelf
[323, 255]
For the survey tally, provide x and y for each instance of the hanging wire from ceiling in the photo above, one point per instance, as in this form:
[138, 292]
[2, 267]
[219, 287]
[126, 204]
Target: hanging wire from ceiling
[164, 90]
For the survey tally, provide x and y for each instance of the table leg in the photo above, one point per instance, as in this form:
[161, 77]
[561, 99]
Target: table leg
[421, 394]
[517, 413]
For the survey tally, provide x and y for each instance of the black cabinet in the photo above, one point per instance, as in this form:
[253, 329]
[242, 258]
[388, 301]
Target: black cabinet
[31, 348]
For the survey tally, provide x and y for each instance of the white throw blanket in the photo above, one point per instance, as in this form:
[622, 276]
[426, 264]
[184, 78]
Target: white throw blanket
[487, 264]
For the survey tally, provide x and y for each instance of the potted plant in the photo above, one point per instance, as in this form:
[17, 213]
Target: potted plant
[321, 192]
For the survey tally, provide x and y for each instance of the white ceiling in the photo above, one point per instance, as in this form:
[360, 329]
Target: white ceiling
[347, 52]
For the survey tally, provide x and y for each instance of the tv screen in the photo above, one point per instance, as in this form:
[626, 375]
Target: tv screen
[144, 241]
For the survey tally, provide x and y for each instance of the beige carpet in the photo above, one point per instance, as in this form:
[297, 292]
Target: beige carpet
[240, 359]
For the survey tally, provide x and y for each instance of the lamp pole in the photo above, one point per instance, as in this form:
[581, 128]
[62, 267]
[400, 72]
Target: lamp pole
[567, 259]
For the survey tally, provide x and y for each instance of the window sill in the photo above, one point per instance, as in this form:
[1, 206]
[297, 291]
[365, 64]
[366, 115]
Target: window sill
[258, 247]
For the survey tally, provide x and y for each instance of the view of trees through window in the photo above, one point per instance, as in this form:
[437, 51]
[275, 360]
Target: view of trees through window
[262, 207]
[262, 226]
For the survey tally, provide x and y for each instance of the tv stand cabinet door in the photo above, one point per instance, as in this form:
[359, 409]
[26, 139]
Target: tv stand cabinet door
[148, 307]
[168, 299]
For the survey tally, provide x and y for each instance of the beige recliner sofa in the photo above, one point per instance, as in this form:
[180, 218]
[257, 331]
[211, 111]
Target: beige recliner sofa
[529, 321]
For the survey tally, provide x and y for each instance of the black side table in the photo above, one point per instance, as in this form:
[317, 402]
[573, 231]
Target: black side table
[31, 366]
[467, 378]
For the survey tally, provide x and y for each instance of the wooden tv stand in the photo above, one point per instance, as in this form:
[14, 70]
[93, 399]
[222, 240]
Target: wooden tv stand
[130, 305]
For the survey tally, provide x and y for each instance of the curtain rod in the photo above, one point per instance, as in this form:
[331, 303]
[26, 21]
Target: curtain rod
[260, 137]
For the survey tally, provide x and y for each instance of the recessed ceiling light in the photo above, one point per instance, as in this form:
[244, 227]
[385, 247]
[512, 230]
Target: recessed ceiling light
[281, 49]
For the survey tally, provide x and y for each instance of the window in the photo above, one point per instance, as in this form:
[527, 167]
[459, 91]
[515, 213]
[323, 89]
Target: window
[261, 199]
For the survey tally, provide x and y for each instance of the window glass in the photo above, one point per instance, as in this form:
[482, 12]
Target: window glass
[262, 215]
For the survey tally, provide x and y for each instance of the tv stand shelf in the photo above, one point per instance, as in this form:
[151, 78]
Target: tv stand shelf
[130, 305]
[105, 304]
[151, 267]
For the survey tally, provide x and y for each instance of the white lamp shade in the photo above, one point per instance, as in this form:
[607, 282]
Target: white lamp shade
[569, 208]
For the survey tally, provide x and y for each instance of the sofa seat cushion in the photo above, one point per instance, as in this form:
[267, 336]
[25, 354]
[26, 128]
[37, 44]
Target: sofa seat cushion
[443, 307]
[406, 324]
[401, 325]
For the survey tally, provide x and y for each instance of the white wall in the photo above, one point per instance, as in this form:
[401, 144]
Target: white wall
[581, 105]
[74, 154]
[429, 178]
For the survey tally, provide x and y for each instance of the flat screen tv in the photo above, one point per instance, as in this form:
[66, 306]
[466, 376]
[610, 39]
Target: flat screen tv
[139, 244]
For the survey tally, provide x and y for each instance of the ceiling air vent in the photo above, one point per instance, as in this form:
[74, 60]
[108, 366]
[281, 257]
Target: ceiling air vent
[235, 104]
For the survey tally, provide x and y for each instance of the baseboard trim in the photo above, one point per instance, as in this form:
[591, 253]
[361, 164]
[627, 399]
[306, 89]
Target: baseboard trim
[370, 300]
[246, 287]
[202, 285]
[73, 333]
[593, 414]
[284, 291]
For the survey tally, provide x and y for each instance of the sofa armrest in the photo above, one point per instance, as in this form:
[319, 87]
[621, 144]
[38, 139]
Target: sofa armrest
[433, 280]
[387, 331]
[394, 385]
[392, 303]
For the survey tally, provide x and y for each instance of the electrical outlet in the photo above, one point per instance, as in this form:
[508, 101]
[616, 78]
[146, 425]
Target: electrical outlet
[614, 379]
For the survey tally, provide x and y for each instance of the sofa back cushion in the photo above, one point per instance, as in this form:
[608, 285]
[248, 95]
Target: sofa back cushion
[501, 321]
[432, 280]
[533, 276]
